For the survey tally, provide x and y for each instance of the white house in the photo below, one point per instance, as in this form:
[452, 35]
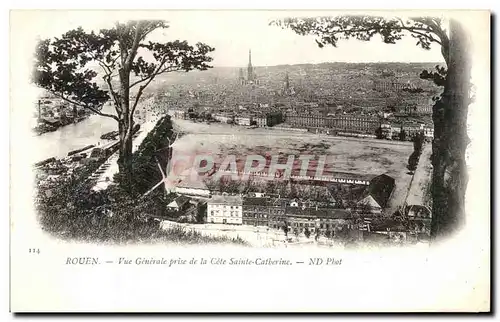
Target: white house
[225, 210]
[175, 113]
[429, 132]
[243, 120]
[223, 118]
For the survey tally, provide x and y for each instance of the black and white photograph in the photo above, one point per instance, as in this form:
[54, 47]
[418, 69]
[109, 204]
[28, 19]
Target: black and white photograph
[265, 132]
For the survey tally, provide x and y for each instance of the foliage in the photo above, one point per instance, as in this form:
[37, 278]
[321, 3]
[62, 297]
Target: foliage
[418, 141]
[285, 228]
[144, 160]
[413, 161]
[402, 135]
[112, 217]
[64, 66]
[438, 77]
[330, 30]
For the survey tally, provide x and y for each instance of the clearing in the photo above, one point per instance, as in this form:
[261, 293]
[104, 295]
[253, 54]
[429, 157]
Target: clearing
[361, 156]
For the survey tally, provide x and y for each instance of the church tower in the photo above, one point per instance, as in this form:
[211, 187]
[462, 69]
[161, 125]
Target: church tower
[250, 73]
[241, 77]
[287, 82]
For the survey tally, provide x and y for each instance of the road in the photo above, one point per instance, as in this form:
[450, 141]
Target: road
[420, 183]
[104, 175]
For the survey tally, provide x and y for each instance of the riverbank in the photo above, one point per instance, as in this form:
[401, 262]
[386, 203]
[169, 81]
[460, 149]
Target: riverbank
[51, 125]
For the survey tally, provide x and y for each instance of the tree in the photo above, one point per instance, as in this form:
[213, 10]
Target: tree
[379, 133]
[414, 108]
[402, 135]
[450, 109]
[127, 64]
[413, 161]
[307, 232]
[418, 141]
[285, 228]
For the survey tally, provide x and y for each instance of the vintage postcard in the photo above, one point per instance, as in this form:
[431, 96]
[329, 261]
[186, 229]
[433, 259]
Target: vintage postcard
[250, 161]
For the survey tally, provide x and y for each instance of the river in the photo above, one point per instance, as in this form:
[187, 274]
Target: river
[73, 136]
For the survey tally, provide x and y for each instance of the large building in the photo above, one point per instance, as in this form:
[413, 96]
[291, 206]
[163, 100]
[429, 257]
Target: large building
[315, 219]
[193, 188]
[225, 210]
[259, 211]
[338, 123]
[278, 213]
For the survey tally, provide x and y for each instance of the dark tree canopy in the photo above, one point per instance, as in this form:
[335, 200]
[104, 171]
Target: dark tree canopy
[329, 30]
[69, 66]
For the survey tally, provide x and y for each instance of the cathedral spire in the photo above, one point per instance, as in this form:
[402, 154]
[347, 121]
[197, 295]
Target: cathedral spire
[250, 67]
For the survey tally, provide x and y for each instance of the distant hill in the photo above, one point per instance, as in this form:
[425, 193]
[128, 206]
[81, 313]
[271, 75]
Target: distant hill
[231, 73]
[305, 75]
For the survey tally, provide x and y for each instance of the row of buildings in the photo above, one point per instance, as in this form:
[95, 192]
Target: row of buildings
[391, 85]
[296, 217]
[393, 130]
[260, 119]
[341, 123]
[318, 199]
[275, 213]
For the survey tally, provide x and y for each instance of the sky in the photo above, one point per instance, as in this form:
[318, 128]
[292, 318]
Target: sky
[233, 33]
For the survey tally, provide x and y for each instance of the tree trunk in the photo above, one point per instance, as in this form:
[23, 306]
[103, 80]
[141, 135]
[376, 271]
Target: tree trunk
[125, 126]
[449, 178]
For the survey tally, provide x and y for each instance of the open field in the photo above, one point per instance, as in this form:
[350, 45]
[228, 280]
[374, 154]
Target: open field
[361, 156]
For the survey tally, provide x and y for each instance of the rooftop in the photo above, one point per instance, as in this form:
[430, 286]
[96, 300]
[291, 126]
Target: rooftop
[192, 184]
[179, 201]
[265, 201]
[226, 200]
[318, 213]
